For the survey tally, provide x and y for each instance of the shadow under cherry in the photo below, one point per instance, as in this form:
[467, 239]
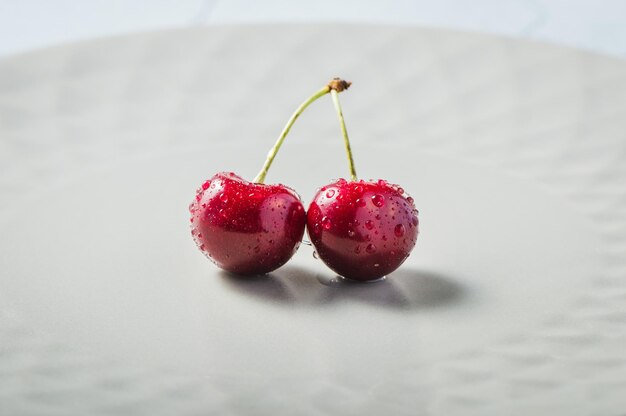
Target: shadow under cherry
[404, 290]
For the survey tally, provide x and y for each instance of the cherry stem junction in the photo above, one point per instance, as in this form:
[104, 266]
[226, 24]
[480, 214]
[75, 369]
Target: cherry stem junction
[336, 85]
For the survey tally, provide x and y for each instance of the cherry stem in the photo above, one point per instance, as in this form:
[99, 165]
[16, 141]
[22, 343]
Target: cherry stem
[335, 85]
[344, 132]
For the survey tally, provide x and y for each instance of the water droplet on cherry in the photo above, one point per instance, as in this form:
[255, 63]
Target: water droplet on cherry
[326, 223]
[371, 248]
[330, 193]
[399, 230]
[369, 224]
[378, 200]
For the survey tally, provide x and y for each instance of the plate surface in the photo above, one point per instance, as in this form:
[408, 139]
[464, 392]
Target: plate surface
[513, 302]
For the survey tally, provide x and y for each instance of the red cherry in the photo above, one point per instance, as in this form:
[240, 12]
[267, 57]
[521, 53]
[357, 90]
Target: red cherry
[362, 230]
[246, 228]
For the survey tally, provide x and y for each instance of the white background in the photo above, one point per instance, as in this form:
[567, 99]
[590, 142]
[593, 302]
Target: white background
[598, 25]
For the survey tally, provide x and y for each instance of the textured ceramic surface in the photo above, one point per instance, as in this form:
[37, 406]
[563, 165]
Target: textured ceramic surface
[513, 302]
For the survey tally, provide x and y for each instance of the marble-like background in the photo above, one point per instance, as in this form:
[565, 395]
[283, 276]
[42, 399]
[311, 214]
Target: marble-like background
[597, 25]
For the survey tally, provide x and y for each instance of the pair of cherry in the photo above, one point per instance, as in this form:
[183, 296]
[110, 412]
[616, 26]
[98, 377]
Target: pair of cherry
[362, 230]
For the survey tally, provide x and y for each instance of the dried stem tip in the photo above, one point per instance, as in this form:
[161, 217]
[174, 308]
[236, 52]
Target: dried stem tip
[339, 84]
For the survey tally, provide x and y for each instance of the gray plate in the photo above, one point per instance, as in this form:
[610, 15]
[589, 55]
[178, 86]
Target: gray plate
[513, 302]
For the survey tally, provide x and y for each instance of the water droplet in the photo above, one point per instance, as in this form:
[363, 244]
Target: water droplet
[414, 220]
[360, 202]
[223, 197]
[341, 181]
[206, 185]
[350, 233]
[222, 212]
[400, 190]
[377, 216]
[410, 200]
[251, 195]
[358, 189]
[382, 182]
[257, 249]
[399, 230]
[378, 200]
[392, 253]
[192, 207]
[339, 196]
[330, 193]
[315, 255]
[199, 235]
[384, 237]
[357, 249]
[202, 247]
[376, 264]
[326, 223]
[369, 224]
[371, 248]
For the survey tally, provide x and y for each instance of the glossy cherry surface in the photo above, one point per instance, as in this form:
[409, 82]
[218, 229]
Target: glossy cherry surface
[246, 228]
[362, 230]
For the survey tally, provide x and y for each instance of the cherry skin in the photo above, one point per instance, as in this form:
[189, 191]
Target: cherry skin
[362, 230]
[246, 228]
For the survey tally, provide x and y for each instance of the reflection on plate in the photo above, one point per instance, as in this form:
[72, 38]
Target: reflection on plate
[511, 303]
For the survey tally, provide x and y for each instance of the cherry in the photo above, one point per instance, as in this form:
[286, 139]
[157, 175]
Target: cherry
[250, 227]
[246, 228]
[361, 230]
